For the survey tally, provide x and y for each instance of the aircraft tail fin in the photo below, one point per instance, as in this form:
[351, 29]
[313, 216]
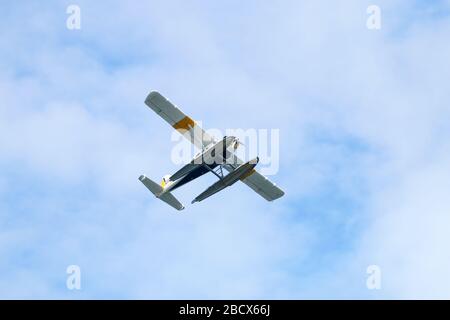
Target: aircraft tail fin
[157, 190]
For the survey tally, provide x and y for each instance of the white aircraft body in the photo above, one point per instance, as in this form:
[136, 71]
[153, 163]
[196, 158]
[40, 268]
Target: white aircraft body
[215, 156]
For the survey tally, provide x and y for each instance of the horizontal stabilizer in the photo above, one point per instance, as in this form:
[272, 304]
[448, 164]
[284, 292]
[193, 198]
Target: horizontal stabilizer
[157, 190]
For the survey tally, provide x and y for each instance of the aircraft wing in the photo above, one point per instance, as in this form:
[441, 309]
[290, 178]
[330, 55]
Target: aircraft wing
[178, 120]
[259, 183]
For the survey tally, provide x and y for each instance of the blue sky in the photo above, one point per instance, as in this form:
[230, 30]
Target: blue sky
[364, 149]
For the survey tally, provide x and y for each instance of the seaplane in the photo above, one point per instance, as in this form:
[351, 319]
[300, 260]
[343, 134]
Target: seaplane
[216, 156]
